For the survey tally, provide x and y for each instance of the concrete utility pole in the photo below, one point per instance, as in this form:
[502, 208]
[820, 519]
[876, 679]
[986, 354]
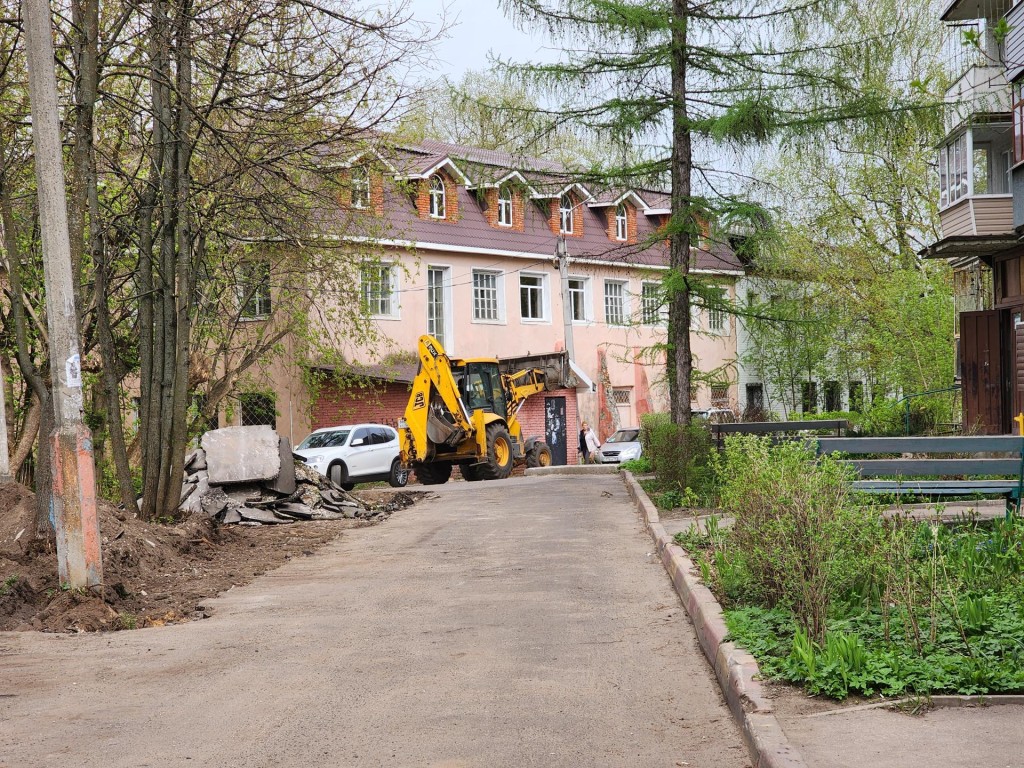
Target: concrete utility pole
[5, 456]
[73, 507]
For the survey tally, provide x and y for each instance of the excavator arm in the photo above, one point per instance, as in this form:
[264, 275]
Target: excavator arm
[435, 412]
[521, 385]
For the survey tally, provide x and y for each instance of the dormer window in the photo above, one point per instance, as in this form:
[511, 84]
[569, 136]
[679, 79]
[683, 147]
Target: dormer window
[621, 223]
[437, 204]
[360, 181]
[565, 207]
[505, 206]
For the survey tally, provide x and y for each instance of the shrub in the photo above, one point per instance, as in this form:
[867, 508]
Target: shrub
[804, 544]
[641, 466]
[680, 456]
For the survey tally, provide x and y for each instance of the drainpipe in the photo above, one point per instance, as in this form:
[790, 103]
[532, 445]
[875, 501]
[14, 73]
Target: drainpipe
[562, 260]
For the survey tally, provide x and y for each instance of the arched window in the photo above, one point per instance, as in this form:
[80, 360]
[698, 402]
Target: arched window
[360, 187]
[505, 206]
[565, 207]
[436, 197]
[621, 223]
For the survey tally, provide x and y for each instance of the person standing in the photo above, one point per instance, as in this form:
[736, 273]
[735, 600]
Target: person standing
[583, 448]
[592, 445]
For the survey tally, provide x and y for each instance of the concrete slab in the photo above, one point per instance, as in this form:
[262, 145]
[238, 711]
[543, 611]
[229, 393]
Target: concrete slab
[284, 483]
[242, 454]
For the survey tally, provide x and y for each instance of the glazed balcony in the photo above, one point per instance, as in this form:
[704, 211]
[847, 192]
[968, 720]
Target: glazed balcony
[974, 181]
[978, 215]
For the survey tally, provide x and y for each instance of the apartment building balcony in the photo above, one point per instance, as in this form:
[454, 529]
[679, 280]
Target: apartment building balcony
[978, 215]
[962, 10]
[981, 89]
[975, 199]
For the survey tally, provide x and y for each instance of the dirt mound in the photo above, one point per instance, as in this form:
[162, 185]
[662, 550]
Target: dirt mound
[153, 573]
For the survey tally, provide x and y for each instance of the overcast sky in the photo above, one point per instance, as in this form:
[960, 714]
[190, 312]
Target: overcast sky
[476, 28]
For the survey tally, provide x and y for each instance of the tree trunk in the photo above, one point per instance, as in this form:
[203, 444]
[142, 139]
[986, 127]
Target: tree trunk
[183, 264]
[44, 483]
[680, 363]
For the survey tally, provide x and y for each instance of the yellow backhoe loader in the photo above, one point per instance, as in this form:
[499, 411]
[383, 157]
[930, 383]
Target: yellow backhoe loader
[465, 413]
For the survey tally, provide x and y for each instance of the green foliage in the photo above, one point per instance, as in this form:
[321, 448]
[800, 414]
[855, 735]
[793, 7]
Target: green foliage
[680, 455]
[126, 620]
[7, 586]
[802, 541]
[914, 607]
[641, 466]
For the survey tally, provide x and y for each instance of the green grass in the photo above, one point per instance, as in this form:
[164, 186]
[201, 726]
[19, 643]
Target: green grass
[958, 627]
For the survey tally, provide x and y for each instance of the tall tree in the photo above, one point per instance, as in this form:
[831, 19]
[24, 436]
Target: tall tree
[205, 137]
[691, 83]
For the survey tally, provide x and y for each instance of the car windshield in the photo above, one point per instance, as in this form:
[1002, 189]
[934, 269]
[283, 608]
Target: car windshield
[331, 439]
[625, 436]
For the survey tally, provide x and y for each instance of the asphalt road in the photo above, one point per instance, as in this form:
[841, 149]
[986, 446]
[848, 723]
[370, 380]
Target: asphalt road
[512, 623]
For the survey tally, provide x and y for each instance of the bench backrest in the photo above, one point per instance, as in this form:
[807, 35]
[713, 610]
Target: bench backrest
[768, 427]
[1011, 446]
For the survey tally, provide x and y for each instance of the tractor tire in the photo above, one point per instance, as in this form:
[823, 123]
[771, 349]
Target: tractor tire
[398, 476]
[470, 472]
[539, 455]
[436, 473]
[498, 465]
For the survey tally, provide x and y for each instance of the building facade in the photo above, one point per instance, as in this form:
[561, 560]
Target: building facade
[981, 206]
[511, 258]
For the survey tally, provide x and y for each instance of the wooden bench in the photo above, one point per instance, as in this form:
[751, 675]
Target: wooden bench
[777, 429]
[899, 473]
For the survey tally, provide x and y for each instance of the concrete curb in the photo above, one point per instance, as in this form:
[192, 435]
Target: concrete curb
[736, 670]
[573, 469]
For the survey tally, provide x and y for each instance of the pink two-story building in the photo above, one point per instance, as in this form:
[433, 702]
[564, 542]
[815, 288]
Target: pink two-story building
[466, 247]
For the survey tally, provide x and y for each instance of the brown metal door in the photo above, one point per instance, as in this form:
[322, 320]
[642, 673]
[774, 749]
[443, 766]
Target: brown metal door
[1015, 327]
[982, 362]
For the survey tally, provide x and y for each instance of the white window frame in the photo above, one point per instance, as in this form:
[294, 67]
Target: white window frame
[505, 206]
[253, 297]
[565, 211]
[588, 300]
[623, 285]
[438, 197]
[955, 161]
[360, 183]
[545, 315]
[394, 312]
[499, 297]
[447, 337]
[621, 222]
[661, 310]
[713, 327]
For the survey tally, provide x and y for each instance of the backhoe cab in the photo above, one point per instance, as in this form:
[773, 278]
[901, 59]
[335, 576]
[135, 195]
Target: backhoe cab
[465, 413]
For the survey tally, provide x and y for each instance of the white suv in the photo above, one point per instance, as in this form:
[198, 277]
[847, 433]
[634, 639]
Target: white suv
[357, 453]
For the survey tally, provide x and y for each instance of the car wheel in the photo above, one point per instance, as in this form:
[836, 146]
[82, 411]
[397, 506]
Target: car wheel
[398, 477]
[337, 473]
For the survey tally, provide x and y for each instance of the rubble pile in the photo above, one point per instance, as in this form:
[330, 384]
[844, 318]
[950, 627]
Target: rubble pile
[249, 476]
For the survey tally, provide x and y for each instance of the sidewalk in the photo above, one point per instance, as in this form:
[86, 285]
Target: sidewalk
[790, 729]
[517, 623]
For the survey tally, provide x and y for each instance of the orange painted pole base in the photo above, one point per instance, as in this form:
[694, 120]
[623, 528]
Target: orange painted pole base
[73, 506]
